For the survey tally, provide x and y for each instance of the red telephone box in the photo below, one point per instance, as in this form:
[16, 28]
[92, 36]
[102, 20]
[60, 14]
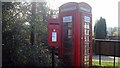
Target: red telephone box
[76, 34]
[53, 32]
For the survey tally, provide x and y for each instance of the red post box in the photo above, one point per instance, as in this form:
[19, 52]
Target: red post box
[53, 36]
[53, 32]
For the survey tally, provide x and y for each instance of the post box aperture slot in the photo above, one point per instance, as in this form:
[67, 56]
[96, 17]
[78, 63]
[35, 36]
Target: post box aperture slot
[54, 23]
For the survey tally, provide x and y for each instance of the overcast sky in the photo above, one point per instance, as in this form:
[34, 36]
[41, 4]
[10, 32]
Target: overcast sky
[107, 9]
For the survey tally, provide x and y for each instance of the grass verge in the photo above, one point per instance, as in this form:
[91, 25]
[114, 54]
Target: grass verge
[107, 64]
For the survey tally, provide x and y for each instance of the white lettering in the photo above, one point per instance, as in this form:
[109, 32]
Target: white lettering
[84, 9]
[67, 19]
[86, 19]
[68, 9]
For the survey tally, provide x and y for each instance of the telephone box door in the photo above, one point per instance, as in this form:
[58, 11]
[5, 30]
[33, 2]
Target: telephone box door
[86, 37]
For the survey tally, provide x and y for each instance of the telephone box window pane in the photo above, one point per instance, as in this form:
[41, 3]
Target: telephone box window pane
[87, 46]
[67, 64]
[69, 32]
[67, 57]
[67, 51]
[69, 37]
[86, 64]
[86, 32]
[86, 52]
[65, 25]
[65, 31]
[67, 44]
[66, 38]
[86, 38]
[86, 25]
[69, 25]
[87, 57]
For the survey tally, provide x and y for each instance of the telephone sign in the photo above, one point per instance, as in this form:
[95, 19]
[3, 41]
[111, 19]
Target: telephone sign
[67, 19]
[86, 19]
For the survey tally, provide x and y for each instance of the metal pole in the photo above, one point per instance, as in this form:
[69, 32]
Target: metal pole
[99, 53]
[53, 60]
[114, 53]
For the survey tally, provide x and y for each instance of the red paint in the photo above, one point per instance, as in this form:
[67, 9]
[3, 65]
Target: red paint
[71, 38]
[53, 26]
[77, 41]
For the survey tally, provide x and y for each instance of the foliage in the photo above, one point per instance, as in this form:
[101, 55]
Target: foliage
[100, 29]
[114, 31]
[16, 48]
